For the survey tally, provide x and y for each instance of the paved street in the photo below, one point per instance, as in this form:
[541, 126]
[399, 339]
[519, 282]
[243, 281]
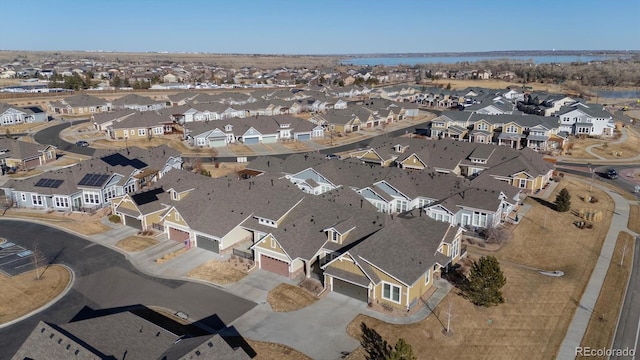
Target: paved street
[626, 335]
[105, 278]
[51, 136]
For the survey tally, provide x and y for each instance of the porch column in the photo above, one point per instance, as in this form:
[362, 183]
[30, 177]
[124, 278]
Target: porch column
[307, 268]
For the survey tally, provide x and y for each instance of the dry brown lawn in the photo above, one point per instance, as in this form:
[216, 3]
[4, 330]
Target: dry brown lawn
[270, 351]
[22, 128]
[241, 149]
[496, 84]
[22, 294]
[576, 147]
[121, 144]
[171, 255]
[629, 148]
[218, 272]
[81, 223]
[532, 323]
[634, 218]
[64, 161]
[286, 297]
[634, 114]
[224, 169]
[136, 243]
[604, 318]
[296, 146]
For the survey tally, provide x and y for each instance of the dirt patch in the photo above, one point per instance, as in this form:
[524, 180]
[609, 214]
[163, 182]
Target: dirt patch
[171, 255]
[221, 272]
[286, 297]
[136, 243]
[23, 293]
[604, 318]
[538, 309]
[120, 144]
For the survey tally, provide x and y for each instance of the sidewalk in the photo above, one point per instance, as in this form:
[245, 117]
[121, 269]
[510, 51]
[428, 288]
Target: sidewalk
[583, 313]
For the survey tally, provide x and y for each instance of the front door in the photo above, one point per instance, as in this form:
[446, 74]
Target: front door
[466, 219]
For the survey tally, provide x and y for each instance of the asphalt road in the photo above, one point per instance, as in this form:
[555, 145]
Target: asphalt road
[106, 279]
[629, 323]
[598, 174]
[51, 136]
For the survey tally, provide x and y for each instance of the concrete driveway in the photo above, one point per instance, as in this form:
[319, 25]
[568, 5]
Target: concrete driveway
[105, 278]
[318, 330]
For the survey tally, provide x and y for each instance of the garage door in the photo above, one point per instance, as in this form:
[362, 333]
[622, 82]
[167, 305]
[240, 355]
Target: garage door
[217, 142]
[207, 243]
[30, 164]
[274, 265]
[269, 139]
[355, 128]
[133, 222]
[178, 235]
[351, 290]
[303, 137]
[251, 140]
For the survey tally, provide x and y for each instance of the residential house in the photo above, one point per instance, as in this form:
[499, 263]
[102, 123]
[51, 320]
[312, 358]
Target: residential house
[141, 125]
[16, 155]
[117, 333]
[585, 119]
[103, 121]
[12, 115]
[81, 104]
[138, 103]
[398, 264]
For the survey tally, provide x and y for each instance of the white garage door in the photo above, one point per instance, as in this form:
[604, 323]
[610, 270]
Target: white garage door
[269, 139]
[251, 140]
[303, 137]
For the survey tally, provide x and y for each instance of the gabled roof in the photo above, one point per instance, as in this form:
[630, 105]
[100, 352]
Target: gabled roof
[142, 119]
[406, 247]
[135, 99]
[83, 100]
[20, 149]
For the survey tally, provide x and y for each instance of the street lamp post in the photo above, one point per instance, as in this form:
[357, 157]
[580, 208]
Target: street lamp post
[592, 173]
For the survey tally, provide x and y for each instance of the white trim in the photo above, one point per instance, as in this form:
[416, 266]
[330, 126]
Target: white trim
[391, 292]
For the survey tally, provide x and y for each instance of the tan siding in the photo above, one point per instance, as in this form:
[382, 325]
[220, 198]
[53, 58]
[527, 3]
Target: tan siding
[128, 204]
[171, 216]
[420, 287]
[346, 265]
[378, 289]
[234, 236]
[371, 156]
[296, 265]
[265, 243]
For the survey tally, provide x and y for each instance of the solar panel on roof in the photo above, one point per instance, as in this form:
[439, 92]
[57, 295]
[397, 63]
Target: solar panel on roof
[49, 183]
[96, 180]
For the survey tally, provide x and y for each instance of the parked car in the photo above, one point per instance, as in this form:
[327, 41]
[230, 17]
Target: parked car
[82, 143]
[332, 156]
[611, 174]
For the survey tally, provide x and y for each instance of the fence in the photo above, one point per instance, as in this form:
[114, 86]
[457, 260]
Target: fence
[243, 254]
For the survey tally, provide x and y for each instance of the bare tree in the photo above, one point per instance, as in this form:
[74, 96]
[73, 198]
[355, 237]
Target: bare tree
[449, 316]
[624, 251]
[213, 153]
[38, 260]
[7, 203]
[498, 234]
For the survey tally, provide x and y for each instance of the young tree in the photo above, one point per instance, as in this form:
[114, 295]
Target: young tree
[563, 201]
[449, 316]
[485, 281]
[373, 344]
[38, 260]
[402, 351]
[116, 81]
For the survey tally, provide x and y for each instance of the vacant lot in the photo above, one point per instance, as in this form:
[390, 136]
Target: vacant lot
[286, 297]
[218, 272]
[496, 84]
[604, 318]
[136, 243]
[23, 293]
[538, 309]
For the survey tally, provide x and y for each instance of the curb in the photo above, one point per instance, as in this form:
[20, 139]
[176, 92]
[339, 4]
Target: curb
[62, 294]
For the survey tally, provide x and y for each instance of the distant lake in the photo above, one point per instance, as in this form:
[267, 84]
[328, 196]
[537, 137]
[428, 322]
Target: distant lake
[618, 94]
[410, 61]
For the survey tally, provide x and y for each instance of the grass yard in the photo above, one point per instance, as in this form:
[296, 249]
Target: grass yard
[22, 294]
[224, 169]
[604, 318]
[634, 218]
[121, 144]
[136, 243]
[286, 297]
[218, 272]
[81, 223]
[629, 148]
[531, 324]
[25, 174]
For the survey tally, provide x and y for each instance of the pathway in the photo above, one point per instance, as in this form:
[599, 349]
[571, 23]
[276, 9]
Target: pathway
[583, 313]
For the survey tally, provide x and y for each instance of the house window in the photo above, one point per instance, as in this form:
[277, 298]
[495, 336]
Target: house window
[403, 205]
[36, 200]
[142, 132]
[91, 198]
[512, 129]
[522, 183]
[479, 219]
[454, 248]
[157, 131]
[177, 216]
[482, 126]
[391, 292]
[23, 197]
[335, 236]
[174, 195]
[427, 276]
[273, 243]
[61, 202]
[133, 132]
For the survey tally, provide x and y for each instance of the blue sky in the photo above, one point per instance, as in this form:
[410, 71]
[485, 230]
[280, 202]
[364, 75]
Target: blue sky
[320, 27]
